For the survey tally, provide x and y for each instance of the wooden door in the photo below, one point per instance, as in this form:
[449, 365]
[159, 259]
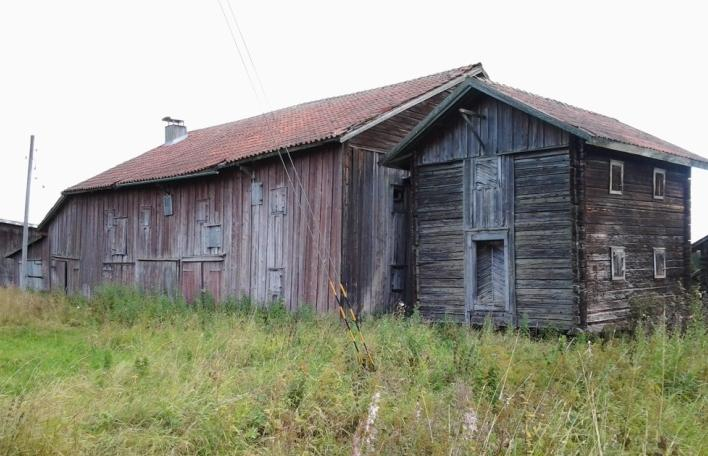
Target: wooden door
[491, 276]
[58, 276]
[200, 278]
[211, 279]
[487, 280]
[191, 280]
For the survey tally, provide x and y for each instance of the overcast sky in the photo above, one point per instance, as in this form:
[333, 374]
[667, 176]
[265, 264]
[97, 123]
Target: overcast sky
[92, 79]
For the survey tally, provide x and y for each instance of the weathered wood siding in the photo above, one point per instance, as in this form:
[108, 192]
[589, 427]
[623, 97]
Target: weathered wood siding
[10, 240]
[543, 232]
[463, 184]
[374, 234]
[638, 222]
[440, 243]
[219, 238]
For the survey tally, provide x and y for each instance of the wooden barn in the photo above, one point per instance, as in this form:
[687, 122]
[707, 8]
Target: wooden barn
[10, 242]
[268, 207]
[527, 209]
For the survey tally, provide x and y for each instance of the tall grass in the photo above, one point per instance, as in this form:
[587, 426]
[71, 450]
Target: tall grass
[125, 373]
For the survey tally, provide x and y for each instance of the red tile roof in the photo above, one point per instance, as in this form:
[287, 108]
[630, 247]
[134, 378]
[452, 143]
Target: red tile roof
[596, 126]
[298, 125]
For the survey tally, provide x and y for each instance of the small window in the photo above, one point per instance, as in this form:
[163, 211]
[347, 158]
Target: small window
[659, 183]
[278, 201]
[145, 216]
[616, 177]
[202, 215]
[399, 199]
[213, 236]
[398, 277]
[275, 283]
[167, 204]
[119, 237]
[659, 263]
[618, 263]
[256, 193]
[34, 269]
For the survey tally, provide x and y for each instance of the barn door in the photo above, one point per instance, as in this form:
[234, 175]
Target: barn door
[58, 276]
[199, 278]
[487, 278]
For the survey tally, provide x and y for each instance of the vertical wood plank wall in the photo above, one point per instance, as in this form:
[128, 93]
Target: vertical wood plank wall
[372, 235]
[638, 222]
[259, 246]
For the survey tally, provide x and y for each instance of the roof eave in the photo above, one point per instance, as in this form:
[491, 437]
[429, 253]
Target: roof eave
[646, 152]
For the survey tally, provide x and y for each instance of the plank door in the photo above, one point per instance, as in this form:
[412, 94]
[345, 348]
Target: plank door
[201, 277]
[191, 280]
[491, 276]
[58, 276]
[212, 273]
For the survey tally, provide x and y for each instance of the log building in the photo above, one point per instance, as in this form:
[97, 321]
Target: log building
[528, 209]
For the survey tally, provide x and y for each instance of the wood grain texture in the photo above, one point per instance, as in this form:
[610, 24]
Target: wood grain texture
[638, 222]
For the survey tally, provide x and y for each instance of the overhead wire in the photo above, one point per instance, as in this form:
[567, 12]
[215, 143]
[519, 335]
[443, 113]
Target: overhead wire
[342, 297]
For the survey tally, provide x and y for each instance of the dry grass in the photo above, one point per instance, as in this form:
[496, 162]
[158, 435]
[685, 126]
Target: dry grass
[131, 374]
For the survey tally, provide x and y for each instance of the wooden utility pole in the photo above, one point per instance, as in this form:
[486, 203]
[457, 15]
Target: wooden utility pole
[25, 226]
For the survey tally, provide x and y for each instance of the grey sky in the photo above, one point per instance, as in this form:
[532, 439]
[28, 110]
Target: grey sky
[92, 79]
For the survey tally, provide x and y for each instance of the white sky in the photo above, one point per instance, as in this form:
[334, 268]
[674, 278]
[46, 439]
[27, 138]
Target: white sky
[92, 79]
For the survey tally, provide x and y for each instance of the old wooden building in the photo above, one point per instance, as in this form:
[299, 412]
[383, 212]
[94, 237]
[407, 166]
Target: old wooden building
[269, 207]
[527, 209]
[700, 252]
[11, 242]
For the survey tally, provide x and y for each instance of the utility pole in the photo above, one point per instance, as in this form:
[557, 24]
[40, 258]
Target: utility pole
[25, 226]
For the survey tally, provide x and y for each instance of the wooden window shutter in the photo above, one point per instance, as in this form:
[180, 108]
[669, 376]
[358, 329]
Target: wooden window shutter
[618, 263]
[275, 283]
[213, 237]
[119, 240]
[167, 204]
[256, 193]
[278, 200]
[202, 209]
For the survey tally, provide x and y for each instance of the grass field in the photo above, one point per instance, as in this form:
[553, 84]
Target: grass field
[131, 374]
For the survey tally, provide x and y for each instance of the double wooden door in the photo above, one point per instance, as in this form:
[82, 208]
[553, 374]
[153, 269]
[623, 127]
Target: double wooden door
[201, 278]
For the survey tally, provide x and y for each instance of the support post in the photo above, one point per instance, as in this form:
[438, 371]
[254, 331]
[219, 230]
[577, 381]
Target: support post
[25, 225]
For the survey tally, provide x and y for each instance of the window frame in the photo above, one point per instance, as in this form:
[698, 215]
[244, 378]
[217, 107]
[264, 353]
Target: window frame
[621, 165]
[655, 251]
[613, 276]
[658, 171]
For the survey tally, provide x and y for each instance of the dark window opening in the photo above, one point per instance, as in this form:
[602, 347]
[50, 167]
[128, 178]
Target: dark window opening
[659, 263]
[618, 260]
[659, 183]
[399, 198]
[616, 177]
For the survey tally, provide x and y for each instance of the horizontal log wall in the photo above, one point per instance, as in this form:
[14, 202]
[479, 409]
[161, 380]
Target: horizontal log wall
[440, 252]
[638, 222]
[543, 220]
[262, 248]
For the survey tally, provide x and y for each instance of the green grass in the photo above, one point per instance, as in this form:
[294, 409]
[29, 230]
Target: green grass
[130, 374]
